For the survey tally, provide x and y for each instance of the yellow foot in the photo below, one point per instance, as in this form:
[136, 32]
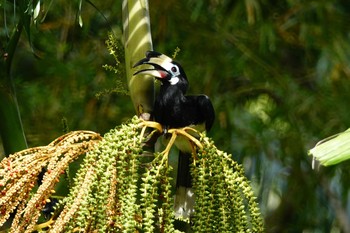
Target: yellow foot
[186, 132]
[149, 124]
[183, 132]
[44, 225]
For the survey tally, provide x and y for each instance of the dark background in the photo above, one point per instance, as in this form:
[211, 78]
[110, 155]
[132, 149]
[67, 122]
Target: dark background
[277, 72]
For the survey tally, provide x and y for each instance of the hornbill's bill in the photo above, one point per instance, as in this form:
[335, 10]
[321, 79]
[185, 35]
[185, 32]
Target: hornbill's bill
[174, 109]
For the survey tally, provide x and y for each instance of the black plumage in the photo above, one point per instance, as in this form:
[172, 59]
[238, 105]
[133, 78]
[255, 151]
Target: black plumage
[174, 109]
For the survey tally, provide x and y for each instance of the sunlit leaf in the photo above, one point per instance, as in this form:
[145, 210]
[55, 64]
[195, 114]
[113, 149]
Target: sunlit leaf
[36, 11]
[80, 21]
[332, 150]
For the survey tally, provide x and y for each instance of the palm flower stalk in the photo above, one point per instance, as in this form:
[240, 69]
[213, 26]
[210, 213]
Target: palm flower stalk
[116, 190]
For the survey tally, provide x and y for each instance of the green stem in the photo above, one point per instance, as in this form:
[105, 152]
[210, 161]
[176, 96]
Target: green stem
[11, 129]
[138, 40]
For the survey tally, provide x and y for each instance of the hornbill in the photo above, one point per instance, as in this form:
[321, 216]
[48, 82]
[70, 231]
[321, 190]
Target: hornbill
[174, 109]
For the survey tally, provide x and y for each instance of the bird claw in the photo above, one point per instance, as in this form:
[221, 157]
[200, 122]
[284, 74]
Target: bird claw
[149, 124]
[188, 132]
[182, 131]
[44, 225]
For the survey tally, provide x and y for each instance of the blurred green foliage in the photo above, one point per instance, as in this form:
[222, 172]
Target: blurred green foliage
[277, 72]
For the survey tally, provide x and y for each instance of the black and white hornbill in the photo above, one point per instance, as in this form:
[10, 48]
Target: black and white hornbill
[174, 109]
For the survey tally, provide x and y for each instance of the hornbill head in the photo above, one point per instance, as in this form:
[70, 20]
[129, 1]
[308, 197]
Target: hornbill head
[166, 70]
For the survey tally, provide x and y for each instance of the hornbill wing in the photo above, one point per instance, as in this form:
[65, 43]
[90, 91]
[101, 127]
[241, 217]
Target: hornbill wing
[204, 110]
[207, 109]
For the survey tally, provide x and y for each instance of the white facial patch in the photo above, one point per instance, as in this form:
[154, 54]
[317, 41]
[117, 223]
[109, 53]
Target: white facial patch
[171, 68]
[174, 80]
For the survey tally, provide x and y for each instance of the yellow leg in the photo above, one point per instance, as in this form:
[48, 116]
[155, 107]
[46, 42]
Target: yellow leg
[170, 143]
[149, 124]
[183, 132]
[174, 133]
[44, 225]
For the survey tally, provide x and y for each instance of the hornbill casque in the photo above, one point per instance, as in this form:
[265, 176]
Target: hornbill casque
[174, 109]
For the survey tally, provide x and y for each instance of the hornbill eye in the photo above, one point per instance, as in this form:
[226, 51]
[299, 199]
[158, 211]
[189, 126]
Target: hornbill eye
[173, 69]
